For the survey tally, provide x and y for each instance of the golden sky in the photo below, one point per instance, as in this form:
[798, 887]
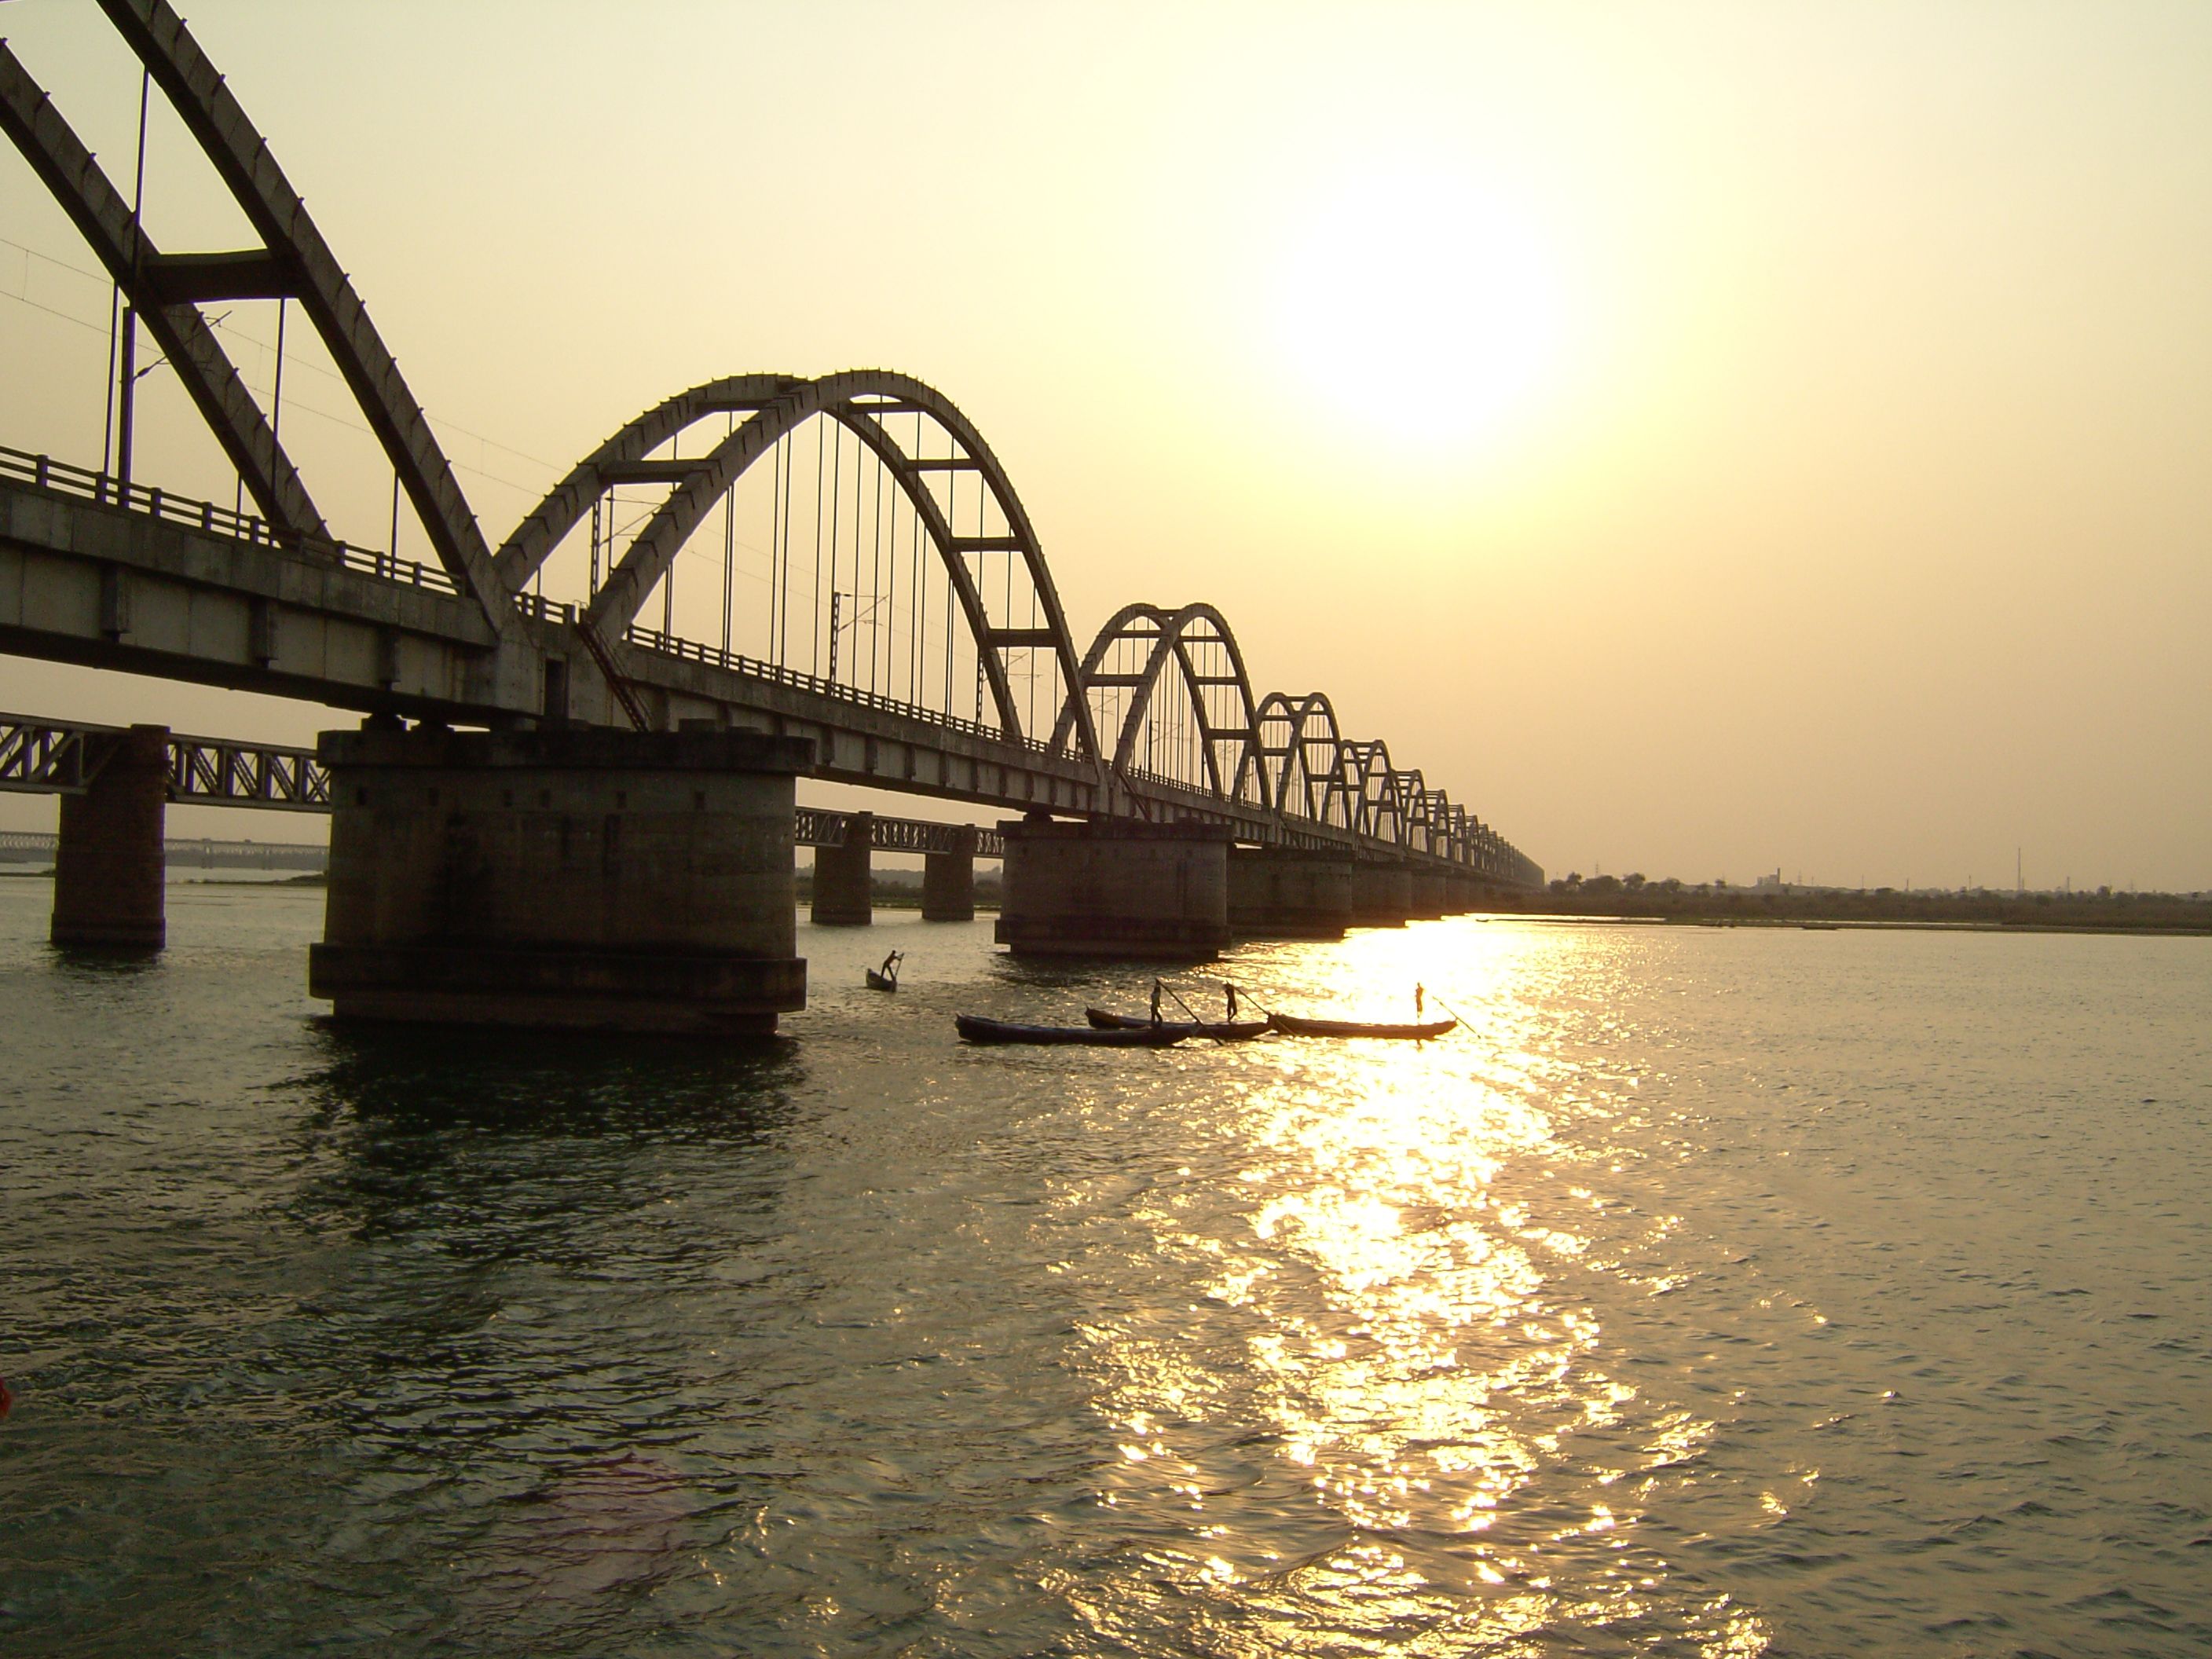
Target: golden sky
[1704, 438]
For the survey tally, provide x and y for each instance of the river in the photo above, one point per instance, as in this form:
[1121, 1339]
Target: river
[1712, 1291]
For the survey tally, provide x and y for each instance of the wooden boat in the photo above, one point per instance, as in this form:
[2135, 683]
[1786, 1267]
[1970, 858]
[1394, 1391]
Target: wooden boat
[878, 983]
[976, 1029]
[1297, 1025]
[1230, 1031]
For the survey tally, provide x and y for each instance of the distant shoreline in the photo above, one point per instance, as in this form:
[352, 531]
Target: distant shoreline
[1862, 925]
[1976, 911]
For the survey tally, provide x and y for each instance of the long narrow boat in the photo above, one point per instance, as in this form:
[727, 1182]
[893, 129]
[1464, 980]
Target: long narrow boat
[976, 1029]
[1297, 1025]
[1233, 1030]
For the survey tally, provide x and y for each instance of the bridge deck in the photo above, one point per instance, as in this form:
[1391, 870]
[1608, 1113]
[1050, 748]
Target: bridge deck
[154, 584]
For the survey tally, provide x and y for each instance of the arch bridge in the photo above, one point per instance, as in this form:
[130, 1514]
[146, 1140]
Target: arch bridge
[910, 626]
[840, 558]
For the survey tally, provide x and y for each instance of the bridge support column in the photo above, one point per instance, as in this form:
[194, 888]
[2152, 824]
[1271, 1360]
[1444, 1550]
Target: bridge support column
[948, 881]
[1278, 892]
[1382, 895]
[108, 872]
[1428, 896]
[581, 877]
[844, 891]
[1112, 889]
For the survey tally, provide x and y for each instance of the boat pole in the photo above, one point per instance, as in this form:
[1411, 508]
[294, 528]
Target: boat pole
[1448, 1008]
[1187, 1009]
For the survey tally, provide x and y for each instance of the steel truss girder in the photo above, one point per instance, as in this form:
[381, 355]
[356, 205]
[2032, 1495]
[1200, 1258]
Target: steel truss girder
[47, 756]
[817, 826]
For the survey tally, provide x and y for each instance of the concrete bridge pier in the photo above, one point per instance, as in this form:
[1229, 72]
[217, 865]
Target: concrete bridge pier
[1382, 895]
[844, 891]
[1428, 896]
[1150, 891]
[583, 878]
[948, 881]
[1277, 892]
[108, 860]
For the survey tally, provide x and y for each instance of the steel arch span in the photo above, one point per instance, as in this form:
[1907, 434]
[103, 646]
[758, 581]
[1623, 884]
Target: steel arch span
[1170, 638]
[1296, 741]
[861, 402]
[292, 264]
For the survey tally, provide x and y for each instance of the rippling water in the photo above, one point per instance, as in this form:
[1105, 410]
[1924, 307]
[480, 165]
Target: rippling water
[1712, 1291]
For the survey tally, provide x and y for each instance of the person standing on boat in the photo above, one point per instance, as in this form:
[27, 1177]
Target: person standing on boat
[1419, 993]
[889, 970]
[1156, 1002]
[1229, 994]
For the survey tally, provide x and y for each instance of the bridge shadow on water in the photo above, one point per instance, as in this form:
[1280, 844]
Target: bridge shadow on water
[85, 962]
[418, 1080]
[518, 1147]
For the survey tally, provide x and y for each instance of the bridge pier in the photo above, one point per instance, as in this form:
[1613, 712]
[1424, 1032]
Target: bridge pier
[1429, 895]
[1116, 889]
[948, 881]
[1382, 895]
[844, 891]
[582, 878]
[1277, 892]
[108, 860]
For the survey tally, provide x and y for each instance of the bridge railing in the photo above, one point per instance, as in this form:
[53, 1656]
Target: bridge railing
[43, 472]
[713, 656]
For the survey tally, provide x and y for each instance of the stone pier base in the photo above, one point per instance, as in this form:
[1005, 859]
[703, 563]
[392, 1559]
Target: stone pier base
[1429, 895]
[844, 894]
[1278, 893]
[948, 883]
[588, 878]
[1133, 890]
[108, 864]
[1382, 895]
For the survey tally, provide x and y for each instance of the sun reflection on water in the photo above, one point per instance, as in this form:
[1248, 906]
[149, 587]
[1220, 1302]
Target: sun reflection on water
[1385, 1364]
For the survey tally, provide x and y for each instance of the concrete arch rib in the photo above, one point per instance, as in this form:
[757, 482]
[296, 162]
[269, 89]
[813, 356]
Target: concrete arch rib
[1379, 814]
[1172, 633]
[856, 400]
[1296, 754]
[83, 191]
[294, 262]
[533, 541]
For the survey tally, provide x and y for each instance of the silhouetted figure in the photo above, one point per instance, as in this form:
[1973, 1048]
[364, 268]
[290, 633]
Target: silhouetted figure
[889, 970]
[1419, 995]
[1228, 994]
[1156, 1002]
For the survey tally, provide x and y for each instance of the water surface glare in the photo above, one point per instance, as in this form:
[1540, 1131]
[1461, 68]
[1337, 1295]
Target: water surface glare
[1712, 1291]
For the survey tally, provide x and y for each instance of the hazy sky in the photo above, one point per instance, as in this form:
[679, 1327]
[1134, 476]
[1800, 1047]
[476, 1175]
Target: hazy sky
[1705, 438]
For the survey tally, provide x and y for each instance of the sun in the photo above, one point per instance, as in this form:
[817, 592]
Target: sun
[1419, 305]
